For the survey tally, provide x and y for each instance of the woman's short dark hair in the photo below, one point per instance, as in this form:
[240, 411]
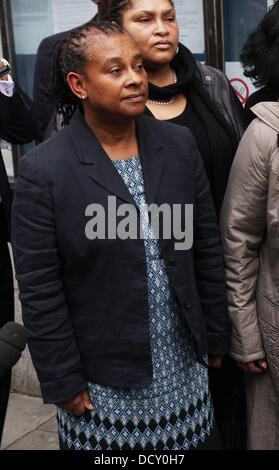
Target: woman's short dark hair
[260, 54]
[70, 56]
[112, 10]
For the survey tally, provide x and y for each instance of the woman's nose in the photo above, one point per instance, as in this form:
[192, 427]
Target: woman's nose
[134, 78]
[160, 28]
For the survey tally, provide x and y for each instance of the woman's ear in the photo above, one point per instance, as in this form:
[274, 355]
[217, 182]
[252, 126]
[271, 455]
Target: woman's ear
[77, 84]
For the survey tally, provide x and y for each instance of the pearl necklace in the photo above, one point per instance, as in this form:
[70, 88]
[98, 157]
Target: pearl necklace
[170, 100]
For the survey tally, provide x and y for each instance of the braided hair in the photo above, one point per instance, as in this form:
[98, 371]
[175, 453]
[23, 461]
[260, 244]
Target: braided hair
[70, 56]
[112, 10]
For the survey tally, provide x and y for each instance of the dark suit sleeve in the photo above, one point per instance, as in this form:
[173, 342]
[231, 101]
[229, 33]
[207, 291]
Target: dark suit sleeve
[38, 268]
[209, 264]
[44, 108]
[17, 120]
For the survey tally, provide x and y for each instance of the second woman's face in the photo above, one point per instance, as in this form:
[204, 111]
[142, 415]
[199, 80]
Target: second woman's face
[153, 24]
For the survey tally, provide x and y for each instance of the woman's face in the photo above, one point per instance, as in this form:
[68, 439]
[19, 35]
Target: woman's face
[153, 24]
[115, 82]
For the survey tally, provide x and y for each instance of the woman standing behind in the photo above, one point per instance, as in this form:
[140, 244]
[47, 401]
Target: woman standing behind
[185, 92]
[250, 226]
[260, 60]
[182, 90]
[119, 325]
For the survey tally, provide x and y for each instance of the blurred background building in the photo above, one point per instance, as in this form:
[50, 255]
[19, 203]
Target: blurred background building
[214, 30]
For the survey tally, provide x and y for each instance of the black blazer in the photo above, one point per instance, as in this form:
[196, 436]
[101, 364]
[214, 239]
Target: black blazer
[17, 126]
[84, 302]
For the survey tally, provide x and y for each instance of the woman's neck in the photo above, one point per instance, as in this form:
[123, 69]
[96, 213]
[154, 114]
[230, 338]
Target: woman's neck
[118, 137]
[161, 77]
[110, 130]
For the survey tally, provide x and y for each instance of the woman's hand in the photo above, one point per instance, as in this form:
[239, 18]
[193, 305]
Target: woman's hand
[215, 361]
[255, 367]
[77, 405]
[5, 77]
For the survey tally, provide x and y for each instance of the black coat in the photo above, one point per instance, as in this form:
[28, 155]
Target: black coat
[85, 302]
[44, 108]
[17, 126]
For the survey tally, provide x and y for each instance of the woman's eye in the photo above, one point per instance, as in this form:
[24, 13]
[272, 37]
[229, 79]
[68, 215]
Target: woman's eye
[140, 67]
[115, 71]
[171, 18]
[143, 20]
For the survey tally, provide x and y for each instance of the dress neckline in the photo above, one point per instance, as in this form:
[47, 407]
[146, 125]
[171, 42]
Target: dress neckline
[179, 116]
[124, 159]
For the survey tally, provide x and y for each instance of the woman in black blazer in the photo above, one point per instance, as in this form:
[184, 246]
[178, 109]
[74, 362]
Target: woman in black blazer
[122, 320]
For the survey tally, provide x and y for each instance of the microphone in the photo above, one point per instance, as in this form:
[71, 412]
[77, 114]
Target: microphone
[13, 338]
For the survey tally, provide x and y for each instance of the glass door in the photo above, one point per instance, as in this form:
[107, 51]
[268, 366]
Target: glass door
[34, 20]
[190, 20]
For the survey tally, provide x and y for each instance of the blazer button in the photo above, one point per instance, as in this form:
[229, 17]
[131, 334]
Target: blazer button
[187, 306]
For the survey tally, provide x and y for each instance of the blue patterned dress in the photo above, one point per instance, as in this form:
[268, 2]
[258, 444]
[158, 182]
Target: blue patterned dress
[174, 412]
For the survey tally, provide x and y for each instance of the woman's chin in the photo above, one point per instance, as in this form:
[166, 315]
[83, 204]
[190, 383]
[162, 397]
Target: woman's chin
[138, 112]
[134, 110]
[159, 61]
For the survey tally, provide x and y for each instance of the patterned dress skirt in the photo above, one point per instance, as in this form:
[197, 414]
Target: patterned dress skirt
[175, 412]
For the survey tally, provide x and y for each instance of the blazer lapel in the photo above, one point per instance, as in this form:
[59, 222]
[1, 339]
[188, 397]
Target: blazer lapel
[101, 168]
[91, 153]
[152, 156]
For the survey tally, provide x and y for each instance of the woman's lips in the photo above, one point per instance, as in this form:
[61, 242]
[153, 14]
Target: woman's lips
[163, 45]
[135, 98]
